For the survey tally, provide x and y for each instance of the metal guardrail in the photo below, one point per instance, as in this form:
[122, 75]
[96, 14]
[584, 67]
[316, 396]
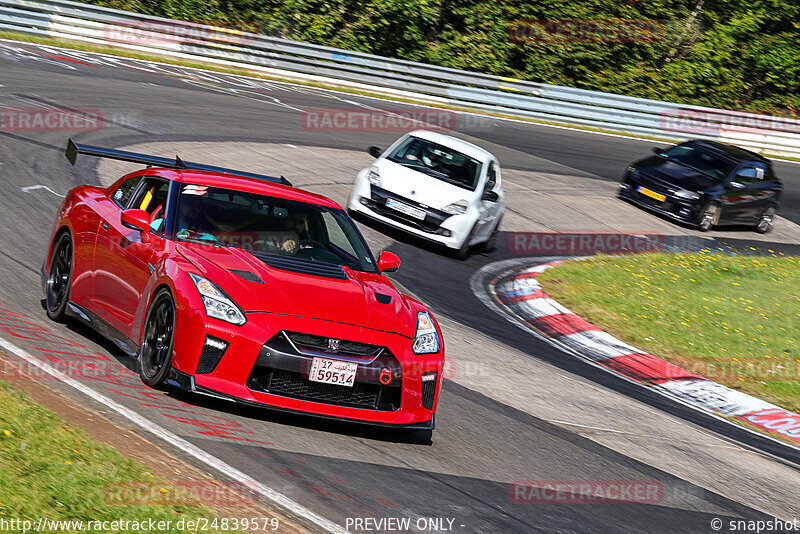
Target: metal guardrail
[464, 89]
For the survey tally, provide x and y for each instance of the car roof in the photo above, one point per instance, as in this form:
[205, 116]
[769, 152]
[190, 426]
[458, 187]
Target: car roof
[729, 151]
[462, 146]
[239, 183]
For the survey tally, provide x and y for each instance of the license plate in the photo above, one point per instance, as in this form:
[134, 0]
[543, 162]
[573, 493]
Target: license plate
[330, 371]
[652, 194]
[405, 208]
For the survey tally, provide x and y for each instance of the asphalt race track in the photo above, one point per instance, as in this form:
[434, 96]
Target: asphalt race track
[513, 409]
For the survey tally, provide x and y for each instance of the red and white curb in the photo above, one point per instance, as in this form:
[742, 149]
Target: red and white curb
[518, 293]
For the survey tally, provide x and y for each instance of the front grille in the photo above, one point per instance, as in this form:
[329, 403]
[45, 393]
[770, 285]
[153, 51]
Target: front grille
[303, 266]
[428, 392]
[290, 384]
[312, 343]
[213, 350]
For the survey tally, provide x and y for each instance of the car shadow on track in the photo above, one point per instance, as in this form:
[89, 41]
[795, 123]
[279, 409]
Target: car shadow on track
[304, 421]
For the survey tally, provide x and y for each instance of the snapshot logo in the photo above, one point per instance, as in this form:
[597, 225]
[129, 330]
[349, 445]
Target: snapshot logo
[50, 120]
[586, 31]
[377, 120]
[178, 32]
[583, 243]
[212, 493]
[713, 122]
[586, 492]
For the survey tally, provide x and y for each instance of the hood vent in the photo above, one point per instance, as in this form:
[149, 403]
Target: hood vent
[302, 266]
[383, 299]
[247, 275]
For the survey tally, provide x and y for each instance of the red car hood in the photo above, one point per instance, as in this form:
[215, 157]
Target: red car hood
[351, 301]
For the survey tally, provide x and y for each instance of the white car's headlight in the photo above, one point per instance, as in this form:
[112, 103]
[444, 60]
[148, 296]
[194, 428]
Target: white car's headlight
[426, 340]
[456, 208]
[374, 176]
[218, 304]
[687, 195]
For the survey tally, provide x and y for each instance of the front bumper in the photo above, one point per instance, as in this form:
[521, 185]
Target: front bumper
[258, 366]
[438, 227]
[686, 211]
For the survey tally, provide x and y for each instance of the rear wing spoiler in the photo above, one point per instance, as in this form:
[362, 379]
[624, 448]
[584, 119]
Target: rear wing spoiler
[73, 149]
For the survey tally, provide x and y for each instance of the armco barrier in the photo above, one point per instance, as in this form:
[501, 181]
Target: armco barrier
[481, 92]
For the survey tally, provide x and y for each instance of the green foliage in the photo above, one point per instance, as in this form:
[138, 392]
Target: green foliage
[736, 54]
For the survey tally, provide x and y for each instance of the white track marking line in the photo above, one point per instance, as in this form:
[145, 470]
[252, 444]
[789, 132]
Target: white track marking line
[29, 188]
[199, 454]
[586, 426]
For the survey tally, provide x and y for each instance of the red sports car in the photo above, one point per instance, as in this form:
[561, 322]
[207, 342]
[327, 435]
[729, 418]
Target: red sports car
[241, 287]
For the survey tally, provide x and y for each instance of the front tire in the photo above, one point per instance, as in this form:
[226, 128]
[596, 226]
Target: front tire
[59, 278]
[463, 252]
[767, 221]
[709, 217]
[155, 356]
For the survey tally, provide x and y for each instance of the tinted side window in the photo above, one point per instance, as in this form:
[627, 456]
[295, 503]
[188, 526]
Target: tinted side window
[123, 193]
[748, 175]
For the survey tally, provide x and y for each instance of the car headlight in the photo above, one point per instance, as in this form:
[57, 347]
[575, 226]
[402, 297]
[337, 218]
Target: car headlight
[426, 340]
[456, 208]
[633, 172]
[218, 304]
[686, 195]
[374, 176]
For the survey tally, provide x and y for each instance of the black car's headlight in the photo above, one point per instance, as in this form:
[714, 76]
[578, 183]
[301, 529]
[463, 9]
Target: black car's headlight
[218, 305]
[426, 340]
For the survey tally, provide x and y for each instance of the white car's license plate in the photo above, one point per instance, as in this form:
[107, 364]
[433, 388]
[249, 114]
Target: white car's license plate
[405, 208]
[330, 371]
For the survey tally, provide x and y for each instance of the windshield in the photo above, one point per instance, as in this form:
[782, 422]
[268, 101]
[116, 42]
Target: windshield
[263, 224]
[712, 166]
[438, 161]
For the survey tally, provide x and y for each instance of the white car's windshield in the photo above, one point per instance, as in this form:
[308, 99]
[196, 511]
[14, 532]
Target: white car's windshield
[263, 224]
[438, 161]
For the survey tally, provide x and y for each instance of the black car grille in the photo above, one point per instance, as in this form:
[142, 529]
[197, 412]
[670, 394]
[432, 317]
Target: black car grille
[433, 217]
[282, 368]
[312, 343]
[290, 384]
[303, 266]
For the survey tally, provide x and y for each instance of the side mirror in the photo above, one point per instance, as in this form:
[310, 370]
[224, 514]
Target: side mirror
[491, 196]
[374, 151]
[137, 220]
[388, 262]
[658, 150]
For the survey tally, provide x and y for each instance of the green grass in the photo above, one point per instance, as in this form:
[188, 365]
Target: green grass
[49, 469]
[733, 319]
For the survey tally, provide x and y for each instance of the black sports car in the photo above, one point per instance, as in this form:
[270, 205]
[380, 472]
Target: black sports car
[705, 183]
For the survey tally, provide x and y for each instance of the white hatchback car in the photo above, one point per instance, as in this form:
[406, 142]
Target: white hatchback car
[436, 187]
